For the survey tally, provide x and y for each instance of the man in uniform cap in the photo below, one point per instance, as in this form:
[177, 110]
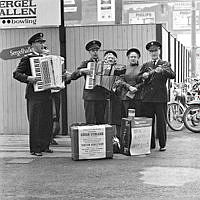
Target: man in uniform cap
[38, 37]
[39, 104]
[155, 74]
[94, 99]
[94, 44]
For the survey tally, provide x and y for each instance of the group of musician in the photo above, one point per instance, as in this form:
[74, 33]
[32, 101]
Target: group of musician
[136, 86]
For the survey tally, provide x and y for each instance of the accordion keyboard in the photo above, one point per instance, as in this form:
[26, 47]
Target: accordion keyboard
[48, 70]
[89, 84]
[39, 84]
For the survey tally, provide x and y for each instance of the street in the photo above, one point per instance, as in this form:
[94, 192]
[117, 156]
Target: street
[173, 174]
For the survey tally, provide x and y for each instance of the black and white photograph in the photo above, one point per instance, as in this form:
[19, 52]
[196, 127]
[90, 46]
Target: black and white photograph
[99, 100]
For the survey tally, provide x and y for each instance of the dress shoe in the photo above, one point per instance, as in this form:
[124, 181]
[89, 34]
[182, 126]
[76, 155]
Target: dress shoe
[48, 151]
[162, 149]
[36, 153]
[53, 142]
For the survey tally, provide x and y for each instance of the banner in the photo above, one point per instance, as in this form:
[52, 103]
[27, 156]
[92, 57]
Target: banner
[92, 142]
[29, 13]
[15, 52]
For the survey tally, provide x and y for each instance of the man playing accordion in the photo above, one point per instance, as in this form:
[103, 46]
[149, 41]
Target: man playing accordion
[97, 76]
[39, 104]
[95, 98]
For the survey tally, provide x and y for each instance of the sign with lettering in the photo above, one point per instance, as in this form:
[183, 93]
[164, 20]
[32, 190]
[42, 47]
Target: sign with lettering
[72, 10]
[141, 136]
[182, 20]
[142, 18]
[92, 142]
[29, 13]
[15, 52]
[106, 10]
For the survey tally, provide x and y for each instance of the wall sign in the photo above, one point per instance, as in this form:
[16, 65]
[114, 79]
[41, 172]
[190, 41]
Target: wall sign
[106, 10]
[142, 18]
[182, 20]
[29, 13]
[15, 52]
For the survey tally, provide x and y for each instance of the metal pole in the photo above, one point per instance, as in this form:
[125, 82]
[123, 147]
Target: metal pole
[193, 39]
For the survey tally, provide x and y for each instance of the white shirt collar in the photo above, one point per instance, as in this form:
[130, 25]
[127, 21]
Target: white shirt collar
[156, 61]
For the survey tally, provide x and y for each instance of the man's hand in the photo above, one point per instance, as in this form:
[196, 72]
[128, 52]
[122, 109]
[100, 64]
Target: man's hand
[33, 79]
[145, 75]
[132, 89]
[67, 76]
[158, 70]
[85, 71]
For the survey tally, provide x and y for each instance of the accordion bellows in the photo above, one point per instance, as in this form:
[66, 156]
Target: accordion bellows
[103, 75]
[49, 71]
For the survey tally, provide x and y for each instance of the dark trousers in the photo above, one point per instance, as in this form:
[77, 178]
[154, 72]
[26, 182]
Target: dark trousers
[56, 114]
[95, 111]
[158, 110]
[40, 123]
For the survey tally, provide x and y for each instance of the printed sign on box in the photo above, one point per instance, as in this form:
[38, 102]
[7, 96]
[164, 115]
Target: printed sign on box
[92, 142]
[141, 140]
[141, 136]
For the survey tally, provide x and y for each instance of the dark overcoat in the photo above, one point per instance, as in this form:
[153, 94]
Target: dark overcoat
[39, 108]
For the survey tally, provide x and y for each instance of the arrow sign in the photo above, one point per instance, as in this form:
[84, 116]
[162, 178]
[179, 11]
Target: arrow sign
[15, 52]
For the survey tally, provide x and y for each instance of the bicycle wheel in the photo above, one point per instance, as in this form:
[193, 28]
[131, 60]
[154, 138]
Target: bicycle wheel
[191, 118]
[175, 116]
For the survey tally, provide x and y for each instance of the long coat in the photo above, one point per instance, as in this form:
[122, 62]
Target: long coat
[39, 108]
[21, 74]
[154, 88]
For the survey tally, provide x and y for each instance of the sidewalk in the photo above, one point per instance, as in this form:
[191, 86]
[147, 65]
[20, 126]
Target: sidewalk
[17, 146]
[170, 175]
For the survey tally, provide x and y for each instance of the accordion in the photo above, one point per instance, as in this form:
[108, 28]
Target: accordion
[103, 75]
[48, 69]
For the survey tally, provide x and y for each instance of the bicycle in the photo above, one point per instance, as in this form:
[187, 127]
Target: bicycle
[184, 93]
[191, 117]
[176, 109]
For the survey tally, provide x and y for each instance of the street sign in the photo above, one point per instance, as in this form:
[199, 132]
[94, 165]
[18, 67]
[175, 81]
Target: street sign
[15, 52]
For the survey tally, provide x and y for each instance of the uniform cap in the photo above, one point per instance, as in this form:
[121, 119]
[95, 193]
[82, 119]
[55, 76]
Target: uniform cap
[133, 50]
[36, 38]
[112, 52]
[153, 45]
[94, 44]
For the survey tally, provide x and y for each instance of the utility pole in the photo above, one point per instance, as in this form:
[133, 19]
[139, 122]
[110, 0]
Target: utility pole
[193, 39]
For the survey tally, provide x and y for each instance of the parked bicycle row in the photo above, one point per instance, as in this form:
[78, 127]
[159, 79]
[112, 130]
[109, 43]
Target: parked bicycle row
[184, 107]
